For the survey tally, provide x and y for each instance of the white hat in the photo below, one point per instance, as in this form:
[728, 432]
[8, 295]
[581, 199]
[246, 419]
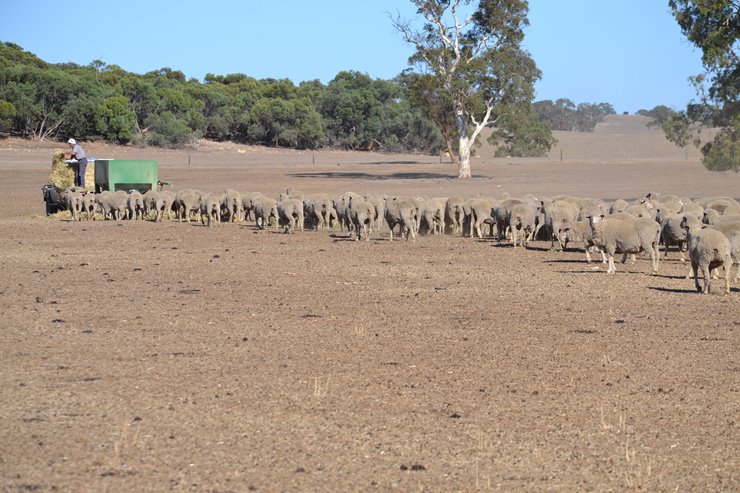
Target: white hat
[72, 141]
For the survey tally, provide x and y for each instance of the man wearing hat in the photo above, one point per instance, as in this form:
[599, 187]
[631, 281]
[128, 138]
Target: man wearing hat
[79, 154]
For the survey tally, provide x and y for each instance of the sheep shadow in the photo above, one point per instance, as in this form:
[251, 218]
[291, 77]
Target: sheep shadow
[691, 290]
[662, 289]
[566, 261]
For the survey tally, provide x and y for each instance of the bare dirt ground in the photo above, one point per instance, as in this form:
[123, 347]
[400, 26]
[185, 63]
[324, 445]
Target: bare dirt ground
[140, 356]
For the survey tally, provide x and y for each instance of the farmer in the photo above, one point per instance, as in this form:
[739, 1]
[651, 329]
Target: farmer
[79, 154]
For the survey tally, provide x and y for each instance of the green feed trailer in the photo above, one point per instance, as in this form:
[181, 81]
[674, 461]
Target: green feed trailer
[125, 174]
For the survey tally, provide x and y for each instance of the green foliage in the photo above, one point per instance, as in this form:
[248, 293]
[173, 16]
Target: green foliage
[115, 121]
[723, 153]
[479, 68]
[7, 114]
[352, 110]
[714, 27]
[660, 114]
[167, 130]
[522, 134]
[563, 114]
[289, 123]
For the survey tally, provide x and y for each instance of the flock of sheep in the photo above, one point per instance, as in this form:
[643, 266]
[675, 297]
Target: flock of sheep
[707, 228]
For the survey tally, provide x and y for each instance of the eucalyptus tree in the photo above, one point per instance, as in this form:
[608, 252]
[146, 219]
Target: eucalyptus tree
[714, 27]
[475, 54]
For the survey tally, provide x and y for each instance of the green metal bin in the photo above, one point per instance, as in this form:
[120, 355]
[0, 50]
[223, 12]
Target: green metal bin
[125, 174]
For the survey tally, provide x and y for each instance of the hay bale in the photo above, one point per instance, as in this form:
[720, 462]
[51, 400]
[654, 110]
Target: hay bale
[62, 175]
[90, 176]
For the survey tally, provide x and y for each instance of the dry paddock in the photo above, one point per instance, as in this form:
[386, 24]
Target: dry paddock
[140, 356]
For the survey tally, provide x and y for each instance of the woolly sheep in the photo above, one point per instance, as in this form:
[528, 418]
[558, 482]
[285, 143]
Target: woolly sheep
[187, 201]
[672, 232]
[402, 213]
[290, 214]
[433, 213]
[477, 210]
[362, 214]
[732, 231]
[135, 205]
[316, 210]
[163, 203]
[708, 249]
[522, 219]
[231, 203]
[265, 211]
[558, 218]
[88, 205]
[581, 231]
[627, 236]
[73, 201]
[113, 204]
[501, 213]
[454, 214]
[619, 205]
[210, 208]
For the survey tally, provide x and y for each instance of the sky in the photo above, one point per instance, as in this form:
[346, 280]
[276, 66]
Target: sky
[629, 53]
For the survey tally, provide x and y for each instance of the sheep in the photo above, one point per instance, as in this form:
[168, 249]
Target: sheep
[88, 205]
[477, 210]
[248, 199]
[341, 205]
[558, 217]
[454, 214]
[362, 214]
[433, 213]
[581, 231]
[628, 236]
[113, 204]
[591, 207]
[728, 218]
[720, 204]
[135, 205]
[500, 215]
[73, 200]
[187, 201]
[290, 214]
[292, 193]
[522, 218]
[708, 249]
[210, 208]
[619, 205]
[378, 202]
[265, 211]
[150, 201]
[672, 232]
[401, 212]
[710, 216]
[316, 210]
[732, 231]
[231, 203]
[163, 203]
[692, 209]
[640, 211]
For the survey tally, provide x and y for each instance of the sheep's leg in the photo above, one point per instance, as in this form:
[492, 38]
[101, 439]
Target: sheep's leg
[611, 269]
[706, 273]
[728, 268]
[653, 258]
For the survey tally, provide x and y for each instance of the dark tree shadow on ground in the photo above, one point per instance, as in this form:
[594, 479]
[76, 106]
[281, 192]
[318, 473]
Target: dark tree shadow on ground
[371, 176]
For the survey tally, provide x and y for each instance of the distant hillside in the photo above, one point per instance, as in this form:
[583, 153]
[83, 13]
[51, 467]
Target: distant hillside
[620, 137]
[617, 138]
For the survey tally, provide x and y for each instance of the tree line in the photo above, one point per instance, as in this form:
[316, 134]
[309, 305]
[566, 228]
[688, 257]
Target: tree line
[162, 108]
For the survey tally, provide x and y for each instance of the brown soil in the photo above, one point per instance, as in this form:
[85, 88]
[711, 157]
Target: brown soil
[142, 356]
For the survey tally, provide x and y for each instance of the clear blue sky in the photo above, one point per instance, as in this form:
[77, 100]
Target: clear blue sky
[629, 53]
